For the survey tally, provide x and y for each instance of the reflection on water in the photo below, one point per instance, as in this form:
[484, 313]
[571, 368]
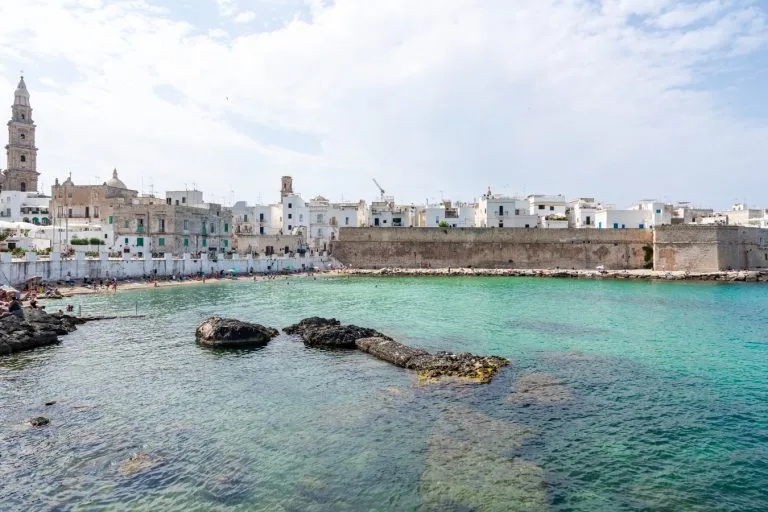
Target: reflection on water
[615, 404]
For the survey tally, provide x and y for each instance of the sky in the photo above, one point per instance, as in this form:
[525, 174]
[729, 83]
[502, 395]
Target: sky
[620, 100]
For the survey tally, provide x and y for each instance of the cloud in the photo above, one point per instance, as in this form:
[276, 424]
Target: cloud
[620, 99]
[244, 17]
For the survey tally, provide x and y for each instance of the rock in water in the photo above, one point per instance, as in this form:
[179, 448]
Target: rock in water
[40, 421]
[33, 328]
[220, 332]
[137, 463]
[480, 369]
[329, 333]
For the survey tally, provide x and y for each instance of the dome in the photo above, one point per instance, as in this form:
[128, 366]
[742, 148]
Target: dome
[115, 181]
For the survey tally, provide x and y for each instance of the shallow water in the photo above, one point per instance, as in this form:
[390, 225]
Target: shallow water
[659, 401]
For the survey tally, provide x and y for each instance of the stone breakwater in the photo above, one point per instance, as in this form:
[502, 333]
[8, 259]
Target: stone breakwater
[34, 328]
[329, 333]
[750, 276]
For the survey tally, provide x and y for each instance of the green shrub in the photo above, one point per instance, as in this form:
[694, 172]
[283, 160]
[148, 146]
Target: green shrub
[443, 224]
[96, 241]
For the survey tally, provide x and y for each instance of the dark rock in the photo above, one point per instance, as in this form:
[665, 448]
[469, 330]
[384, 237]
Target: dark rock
[338, 336]
[479, 369]
[314, 322]
[220, 332]
[329, 333]
[51, 402]
[40, 421]
[33, 328]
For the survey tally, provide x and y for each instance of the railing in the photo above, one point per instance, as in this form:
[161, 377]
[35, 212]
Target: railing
[139, 229]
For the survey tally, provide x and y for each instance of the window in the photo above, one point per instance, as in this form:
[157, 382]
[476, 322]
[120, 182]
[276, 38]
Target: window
[290, 227]
[261, 217]
[641, 226]
[161, 225]
[213, 228]
[541, 207]
[95, 212]
[290, 205]
[501, 224]
[501, 210]
[23, 136]
[245, 218]
[527, 225]
[261, 230]
[437, 219]
[376, 221]
[106, 236]
[301, 217]
[139, 242]
[658, 211]
[126, 241]
[589, 220]
[226, 243]
[615, 225]
[186, 242]
[346, 221]
[69, 213]
[23, 158]
[22, 117]
[204, 242]
[23, 186]
[186, 224]
[320, 232]
[623, 226]
[183, 200]
[161, 241]
[517, 211]
[551, 208]
[87, 212]
[290, 215]
[177, 202]
[226, 227]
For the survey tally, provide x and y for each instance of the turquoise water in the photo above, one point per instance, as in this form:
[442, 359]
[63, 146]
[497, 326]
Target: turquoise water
[663, 401]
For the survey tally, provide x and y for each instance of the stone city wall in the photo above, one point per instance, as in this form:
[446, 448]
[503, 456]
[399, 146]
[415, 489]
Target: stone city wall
[492, 248]
[710, 248]
[16, 271]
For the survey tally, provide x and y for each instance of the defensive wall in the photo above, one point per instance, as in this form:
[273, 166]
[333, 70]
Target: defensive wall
[675, 248]
[54, 268]
[492, 248]
[710, 248]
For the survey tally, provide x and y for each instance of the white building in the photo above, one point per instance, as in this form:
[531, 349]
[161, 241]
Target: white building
[647, 214]
[184, 198]
[384, 213]
[581, 212]
[498, 211]
[459, 215]
[17, 206]
[327, 218]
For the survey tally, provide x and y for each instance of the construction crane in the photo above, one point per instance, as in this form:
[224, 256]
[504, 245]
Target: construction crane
[379, 187]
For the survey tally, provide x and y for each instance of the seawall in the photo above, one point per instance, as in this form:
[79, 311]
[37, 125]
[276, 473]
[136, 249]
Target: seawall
[674, 248]
[492, 248]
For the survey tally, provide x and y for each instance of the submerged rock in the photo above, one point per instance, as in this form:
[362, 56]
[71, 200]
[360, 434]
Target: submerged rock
[39, 421]
[220, 332]
[33, 328]
[314, 322]
[137, 463]
[539, 388]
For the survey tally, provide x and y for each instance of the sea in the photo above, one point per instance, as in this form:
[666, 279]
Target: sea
[621, 395]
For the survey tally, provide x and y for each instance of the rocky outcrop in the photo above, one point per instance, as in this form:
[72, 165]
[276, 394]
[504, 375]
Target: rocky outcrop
[33, 328]
[480, 369]
[220, 332]
[329, 333]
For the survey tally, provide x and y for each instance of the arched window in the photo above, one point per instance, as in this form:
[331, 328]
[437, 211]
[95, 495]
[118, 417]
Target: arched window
[22, 117]
[22, 136]
[23, 158]
[23, 188]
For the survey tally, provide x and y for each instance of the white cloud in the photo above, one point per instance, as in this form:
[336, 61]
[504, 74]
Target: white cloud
[244, 17]
[540, 95]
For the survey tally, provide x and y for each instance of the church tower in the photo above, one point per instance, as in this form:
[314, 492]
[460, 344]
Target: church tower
[21, 153]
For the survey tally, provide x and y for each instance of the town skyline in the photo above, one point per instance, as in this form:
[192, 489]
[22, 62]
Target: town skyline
[615, 101]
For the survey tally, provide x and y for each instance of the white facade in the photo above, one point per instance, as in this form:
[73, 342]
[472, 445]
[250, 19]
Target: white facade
[544, 205]
[657, 213]
[497, 211]
[184, 198]
[646, 214]
[581, 213]
[384, 213]
[459, 215]
[327, 218]
[16, 206]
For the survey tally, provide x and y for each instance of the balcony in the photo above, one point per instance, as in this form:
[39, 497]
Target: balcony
[139, 229]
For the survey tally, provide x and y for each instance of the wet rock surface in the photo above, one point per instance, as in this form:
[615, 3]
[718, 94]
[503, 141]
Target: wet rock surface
[138, 463]
[220, 332]
[540, 388]
[39, 421]
[33, 328]
[329, 333]
[480, 369]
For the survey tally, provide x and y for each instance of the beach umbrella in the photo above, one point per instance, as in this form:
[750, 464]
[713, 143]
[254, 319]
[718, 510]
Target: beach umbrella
[11, 289]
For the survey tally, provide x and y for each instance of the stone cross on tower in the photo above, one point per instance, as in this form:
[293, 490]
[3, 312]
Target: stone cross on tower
[21, 153]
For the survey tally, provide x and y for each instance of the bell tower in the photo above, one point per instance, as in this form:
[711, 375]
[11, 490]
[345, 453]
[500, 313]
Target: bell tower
[21, 153]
